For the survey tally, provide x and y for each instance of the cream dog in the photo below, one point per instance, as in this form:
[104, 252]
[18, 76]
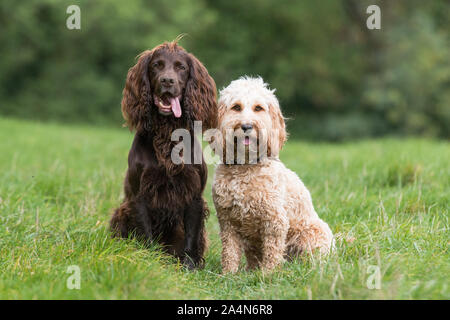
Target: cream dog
[263, 208]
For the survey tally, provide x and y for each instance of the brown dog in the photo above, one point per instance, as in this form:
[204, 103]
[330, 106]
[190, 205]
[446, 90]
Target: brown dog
[167, 89]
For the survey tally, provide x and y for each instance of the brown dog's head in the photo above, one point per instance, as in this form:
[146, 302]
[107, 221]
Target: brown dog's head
[171, 82]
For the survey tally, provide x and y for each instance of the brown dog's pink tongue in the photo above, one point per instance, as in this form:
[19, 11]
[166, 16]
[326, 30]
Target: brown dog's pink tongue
[176, 109]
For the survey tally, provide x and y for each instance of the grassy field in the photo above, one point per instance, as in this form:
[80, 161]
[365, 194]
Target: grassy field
[385, 200]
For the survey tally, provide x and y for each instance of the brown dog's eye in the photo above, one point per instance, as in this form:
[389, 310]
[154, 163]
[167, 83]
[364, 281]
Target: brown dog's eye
[236, 107]
[258, 108]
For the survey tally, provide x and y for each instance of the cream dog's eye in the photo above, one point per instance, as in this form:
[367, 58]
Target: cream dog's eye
[236, 107]
[258, 108]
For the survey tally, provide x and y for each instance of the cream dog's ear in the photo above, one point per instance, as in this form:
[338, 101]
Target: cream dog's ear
[278, 134]
[216, 137]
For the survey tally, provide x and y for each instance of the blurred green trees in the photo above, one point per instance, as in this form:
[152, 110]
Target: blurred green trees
[335, 79]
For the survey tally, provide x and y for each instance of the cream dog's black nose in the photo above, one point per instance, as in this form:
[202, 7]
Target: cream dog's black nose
[246, 126]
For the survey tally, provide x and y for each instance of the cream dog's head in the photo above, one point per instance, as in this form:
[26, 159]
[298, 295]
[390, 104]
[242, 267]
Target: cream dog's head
[250, 121]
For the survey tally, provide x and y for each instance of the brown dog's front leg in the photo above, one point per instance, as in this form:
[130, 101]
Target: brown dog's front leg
[193, 234]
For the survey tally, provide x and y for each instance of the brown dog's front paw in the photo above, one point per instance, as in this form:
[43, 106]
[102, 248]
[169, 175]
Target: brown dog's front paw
[193, 263]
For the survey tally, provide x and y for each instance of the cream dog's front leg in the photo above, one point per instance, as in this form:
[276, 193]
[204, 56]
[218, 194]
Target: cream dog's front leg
[231, 247]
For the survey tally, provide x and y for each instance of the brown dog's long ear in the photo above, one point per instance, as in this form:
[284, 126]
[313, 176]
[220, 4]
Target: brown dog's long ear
[137, 96]
[278, 134]
[200, 94]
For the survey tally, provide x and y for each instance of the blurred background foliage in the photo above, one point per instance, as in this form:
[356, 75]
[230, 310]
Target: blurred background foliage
[335, 79]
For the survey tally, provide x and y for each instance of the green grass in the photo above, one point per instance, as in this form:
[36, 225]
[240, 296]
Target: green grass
[385, 200]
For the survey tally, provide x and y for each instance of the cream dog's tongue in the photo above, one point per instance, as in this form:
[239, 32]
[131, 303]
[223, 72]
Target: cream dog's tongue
[176, 109]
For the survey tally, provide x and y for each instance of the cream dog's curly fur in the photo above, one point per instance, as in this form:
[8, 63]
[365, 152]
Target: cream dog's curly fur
[264, 209]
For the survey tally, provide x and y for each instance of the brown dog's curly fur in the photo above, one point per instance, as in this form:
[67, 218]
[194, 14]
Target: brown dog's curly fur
[163, 201]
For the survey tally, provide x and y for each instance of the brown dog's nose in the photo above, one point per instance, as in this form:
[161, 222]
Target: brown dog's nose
[166, 81]
[246, 126]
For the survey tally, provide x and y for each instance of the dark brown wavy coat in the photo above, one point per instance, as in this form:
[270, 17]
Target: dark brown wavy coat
[163, 201]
